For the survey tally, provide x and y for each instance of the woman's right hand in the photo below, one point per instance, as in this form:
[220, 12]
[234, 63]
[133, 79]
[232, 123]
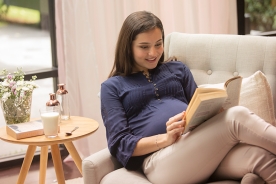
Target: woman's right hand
[175, 127]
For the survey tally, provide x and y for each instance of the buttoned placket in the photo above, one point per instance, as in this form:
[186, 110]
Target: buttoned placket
[148, 76]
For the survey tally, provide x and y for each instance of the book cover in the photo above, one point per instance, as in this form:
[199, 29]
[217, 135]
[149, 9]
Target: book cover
[24, 130]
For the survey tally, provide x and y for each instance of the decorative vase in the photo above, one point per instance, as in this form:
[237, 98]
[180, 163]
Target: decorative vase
[17, 110]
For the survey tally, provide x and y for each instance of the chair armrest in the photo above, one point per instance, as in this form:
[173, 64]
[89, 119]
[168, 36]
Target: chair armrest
[97, 165]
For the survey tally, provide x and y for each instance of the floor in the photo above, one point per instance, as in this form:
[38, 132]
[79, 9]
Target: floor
[9, 171]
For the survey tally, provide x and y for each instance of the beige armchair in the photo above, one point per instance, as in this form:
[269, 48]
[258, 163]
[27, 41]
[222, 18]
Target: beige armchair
[212, 59]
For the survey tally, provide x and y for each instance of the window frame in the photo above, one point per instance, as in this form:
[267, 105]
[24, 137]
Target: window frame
[49, 72]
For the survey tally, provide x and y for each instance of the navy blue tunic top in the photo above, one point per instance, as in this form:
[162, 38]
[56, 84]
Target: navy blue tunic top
[134, 107]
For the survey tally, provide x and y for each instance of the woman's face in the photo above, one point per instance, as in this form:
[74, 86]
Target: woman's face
[147, 49]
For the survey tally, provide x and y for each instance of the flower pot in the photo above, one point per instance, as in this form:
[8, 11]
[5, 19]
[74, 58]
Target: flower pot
[17, 110]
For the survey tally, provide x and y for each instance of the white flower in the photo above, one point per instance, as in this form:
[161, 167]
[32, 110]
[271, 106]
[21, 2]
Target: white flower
[5, 83]
[18, 88]
[20, 83]
[6, 96]
[22, 94]
[14, 86]
[30, 87]
[24, 88]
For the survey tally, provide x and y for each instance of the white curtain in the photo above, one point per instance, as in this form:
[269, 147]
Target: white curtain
[86, 37]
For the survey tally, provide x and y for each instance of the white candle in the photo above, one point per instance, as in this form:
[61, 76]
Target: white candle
[50, 123]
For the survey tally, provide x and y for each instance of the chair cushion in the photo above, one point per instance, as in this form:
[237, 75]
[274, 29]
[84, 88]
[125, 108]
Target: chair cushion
[124, 176]
[255, 94]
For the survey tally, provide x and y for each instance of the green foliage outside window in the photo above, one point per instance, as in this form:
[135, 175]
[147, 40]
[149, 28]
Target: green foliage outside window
[19, 14]
[2, 9]
[262, 14]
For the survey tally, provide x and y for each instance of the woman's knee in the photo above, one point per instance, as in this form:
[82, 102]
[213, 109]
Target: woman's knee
[238, 113]
[239, 110]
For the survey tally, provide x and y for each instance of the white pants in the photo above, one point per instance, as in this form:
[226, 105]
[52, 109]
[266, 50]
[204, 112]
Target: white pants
[215, 146]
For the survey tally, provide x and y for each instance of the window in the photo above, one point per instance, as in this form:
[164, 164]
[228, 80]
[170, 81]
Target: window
[27, 34]
[27, 40]
[257, 17]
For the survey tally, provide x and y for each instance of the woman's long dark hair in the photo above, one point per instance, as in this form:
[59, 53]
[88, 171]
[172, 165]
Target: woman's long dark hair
[134, 24]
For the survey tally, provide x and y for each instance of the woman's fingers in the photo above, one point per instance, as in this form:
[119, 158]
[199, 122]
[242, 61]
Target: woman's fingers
[177, 131]
[175, 118]
[175, 127]
[184, 119]
[184, 116]
[177, 124]
[174, 134]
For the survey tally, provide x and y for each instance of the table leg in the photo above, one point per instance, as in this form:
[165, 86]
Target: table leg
[57, 164]
[75, 155]
[43, 164]
[26, 164]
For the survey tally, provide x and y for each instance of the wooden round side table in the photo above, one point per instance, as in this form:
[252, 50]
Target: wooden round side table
[86, 127]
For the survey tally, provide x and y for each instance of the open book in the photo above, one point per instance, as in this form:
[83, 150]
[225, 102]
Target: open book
[207, 102]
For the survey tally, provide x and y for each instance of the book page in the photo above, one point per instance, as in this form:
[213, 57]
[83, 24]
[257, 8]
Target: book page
[233, 88]
[204, 107]
[201, 91]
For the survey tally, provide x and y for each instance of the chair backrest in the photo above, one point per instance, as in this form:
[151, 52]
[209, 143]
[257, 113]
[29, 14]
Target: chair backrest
[214, 58]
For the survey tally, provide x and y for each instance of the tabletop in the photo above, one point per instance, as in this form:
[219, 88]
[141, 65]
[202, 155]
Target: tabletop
[86, 127]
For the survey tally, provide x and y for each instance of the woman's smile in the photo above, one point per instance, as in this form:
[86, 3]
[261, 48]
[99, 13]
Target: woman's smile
[151, 60]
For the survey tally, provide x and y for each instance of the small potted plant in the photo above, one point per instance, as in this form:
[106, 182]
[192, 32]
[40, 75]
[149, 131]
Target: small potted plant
[16, 96]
